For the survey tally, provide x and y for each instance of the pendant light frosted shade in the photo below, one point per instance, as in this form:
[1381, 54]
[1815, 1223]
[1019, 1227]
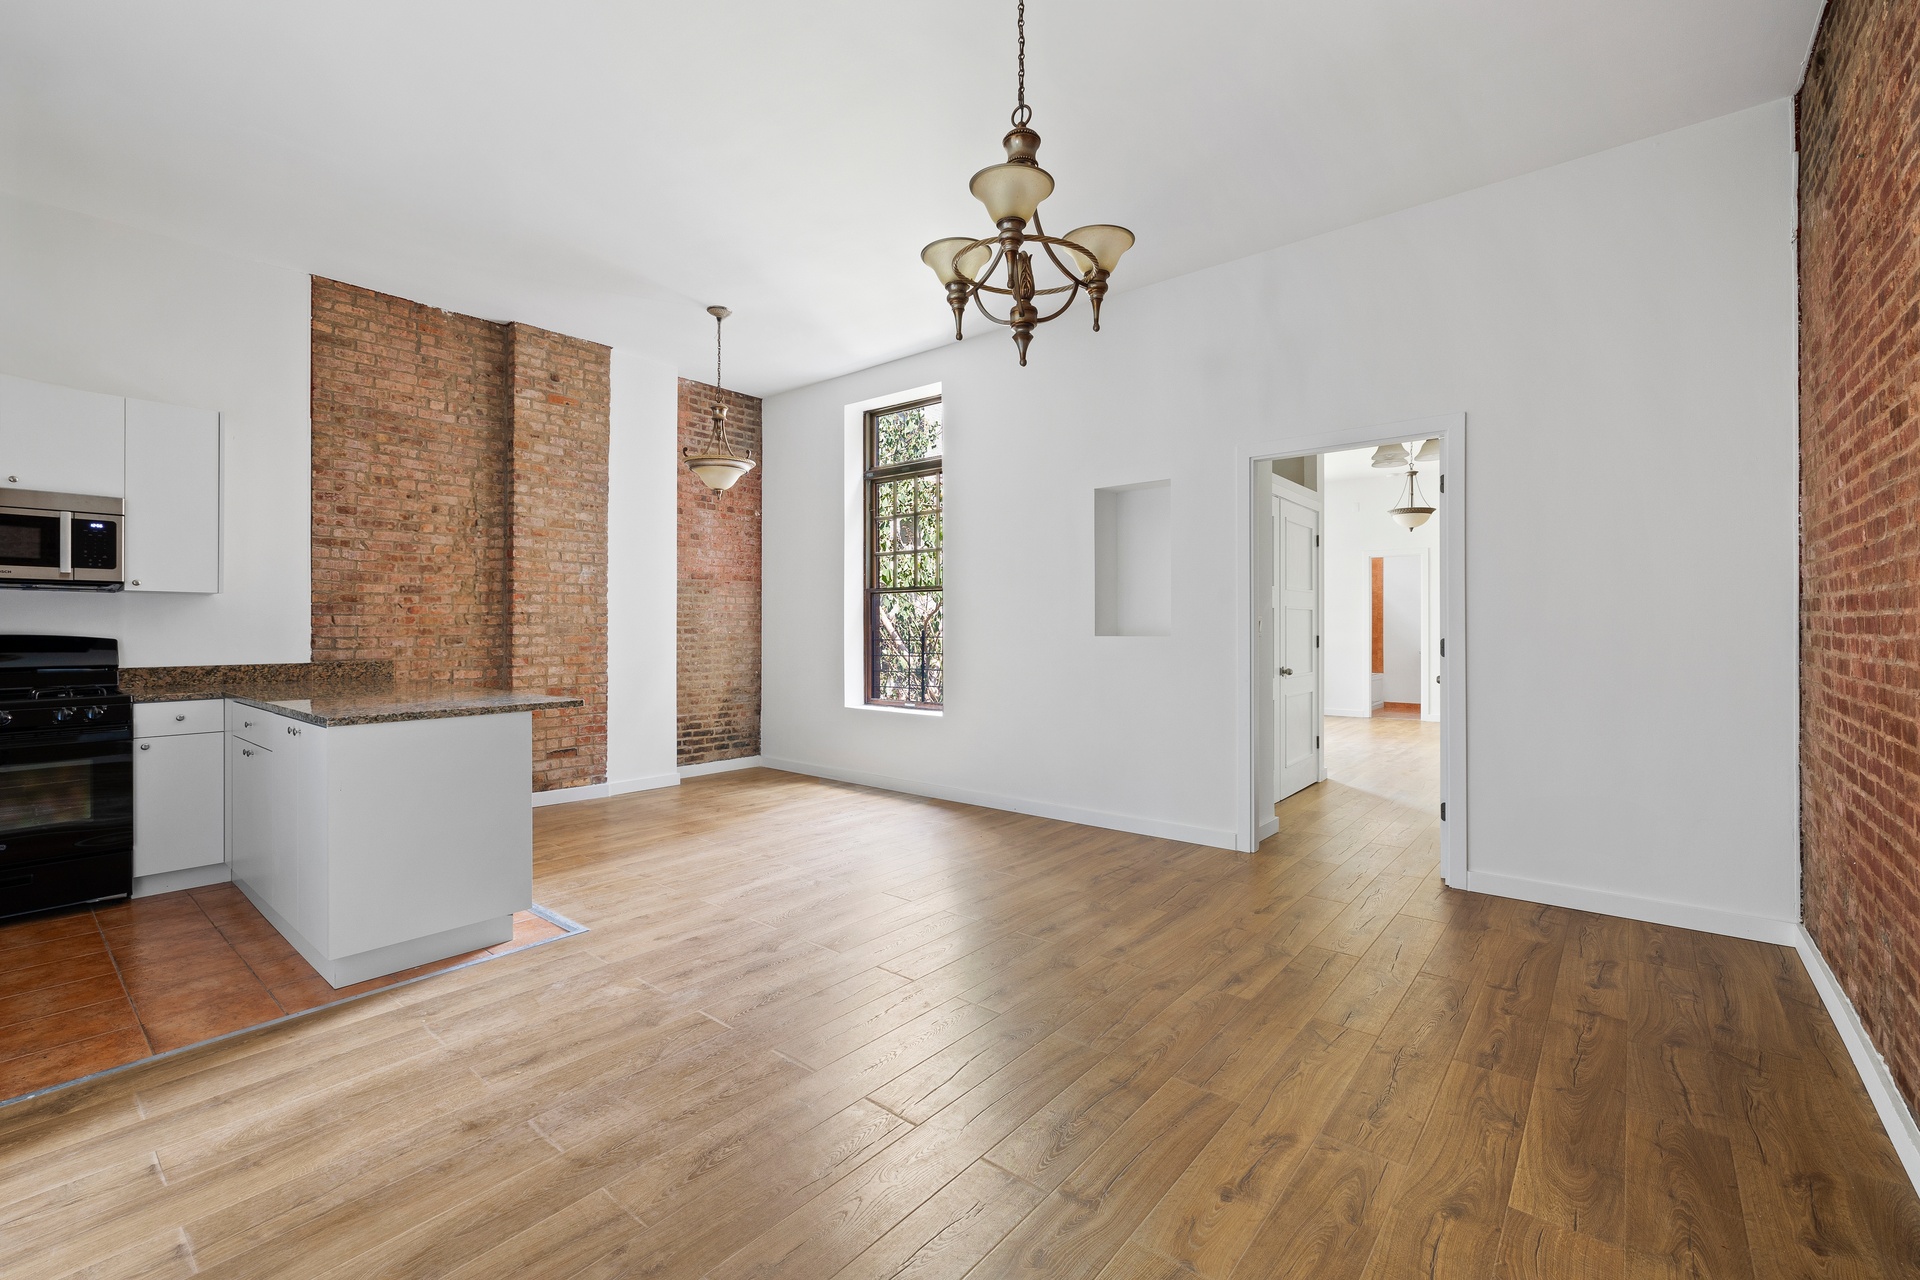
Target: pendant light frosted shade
[1410, 518]
[1390, 457]
[940, 256]
[719, 472]
[1105, 241]
[1429, 451]
[1011, 190]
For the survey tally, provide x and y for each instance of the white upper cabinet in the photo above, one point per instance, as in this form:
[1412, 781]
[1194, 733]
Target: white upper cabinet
[59, 440]
[173, 498]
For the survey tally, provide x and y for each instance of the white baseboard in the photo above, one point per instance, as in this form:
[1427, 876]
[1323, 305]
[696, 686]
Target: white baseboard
[1681, 915]
[1268, 827]
[721, 766]
[652, 782]
[1894, 1114]
[1349, 713]
[185, 878]
[1018, 804]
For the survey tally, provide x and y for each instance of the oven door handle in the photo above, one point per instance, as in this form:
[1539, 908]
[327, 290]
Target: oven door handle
[66, 544]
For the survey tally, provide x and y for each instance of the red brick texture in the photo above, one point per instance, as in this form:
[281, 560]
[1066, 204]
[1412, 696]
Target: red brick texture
[719, 589]
[1860, 499]
[411, 455]
[459, 508]
[558, 555]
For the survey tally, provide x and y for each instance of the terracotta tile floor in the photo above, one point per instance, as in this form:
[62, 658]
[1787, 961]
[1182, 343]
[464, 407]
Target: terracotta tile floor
[1397, 711]
[95, 988]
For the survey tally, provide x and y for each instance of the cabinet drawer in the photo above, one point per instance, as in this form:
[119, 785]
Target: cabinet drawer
[161, 719]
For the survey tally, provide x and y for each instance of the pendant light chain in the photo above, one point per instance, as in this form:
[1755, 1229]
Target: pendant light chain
[716, 354]
[1022, 114]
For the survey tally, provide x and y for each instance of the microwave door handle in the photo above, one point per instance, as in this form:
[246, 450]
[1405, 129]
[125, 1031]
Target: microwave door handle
[66, 544]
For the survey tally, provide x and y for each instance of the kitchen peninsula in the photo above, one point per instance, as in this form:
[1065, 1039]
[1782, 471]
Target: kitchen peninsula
[378, 826]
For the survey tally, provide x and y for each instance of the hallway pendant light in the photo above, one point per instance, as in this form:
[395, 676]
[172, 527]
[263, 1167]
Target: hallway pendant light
[1012, 193]
[1389, 457]
[1411, 511]
[1429, 451]
[719, 467]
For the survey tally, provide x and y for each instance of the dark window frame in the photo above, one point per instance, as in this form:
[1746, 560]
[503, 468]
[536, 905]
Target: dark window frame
[873, 477]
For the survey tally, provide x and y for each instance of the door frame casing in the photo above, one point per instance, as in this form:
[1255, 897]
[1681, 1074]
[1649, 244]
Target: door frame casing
[1451, 429]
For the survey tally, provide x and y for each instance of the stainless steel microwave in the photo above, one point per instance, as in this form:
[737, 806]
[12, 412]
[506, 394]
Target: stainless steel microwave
[61, 540]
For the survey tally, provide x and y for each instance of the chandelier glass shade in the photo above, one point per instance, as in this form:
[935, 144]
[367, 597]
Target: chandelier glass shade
[1411, 511]
[718, 466]
[1002, 264]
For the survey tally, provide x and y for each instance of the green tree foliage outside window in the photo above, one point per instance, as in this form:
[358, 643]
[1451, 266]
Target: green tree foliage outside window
[906, 539]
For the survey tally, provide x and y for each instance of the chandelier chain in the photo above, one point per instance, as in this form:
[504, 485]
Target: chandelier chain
[716, 353]
[1022, 114]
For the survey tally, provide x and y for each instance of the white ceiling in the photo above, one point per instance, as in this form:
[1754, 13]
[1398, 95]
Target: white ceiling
[609, 168]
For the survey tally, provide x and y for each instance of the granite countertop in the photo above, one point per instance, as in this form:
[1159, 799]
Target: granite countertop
[325, 703]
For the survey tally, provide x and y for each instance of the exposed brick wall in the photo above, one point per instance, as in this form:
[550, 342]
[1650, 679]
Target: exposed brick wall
[558, 560]
[1860, 496]
[411, 437]
[719, 607]
[460, 508]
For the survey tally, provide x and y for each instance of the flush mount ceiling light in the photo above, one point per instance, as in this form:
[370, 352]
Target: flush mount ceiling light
[719, 466]
[1012, 193]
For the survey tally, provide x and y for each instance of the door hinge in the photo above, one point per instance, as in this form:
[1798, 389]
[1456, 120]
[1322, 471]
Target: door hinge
[1443, 482]
[1443, 646]
[1316, 742]
[1316, 539]
[1443, 811]
[1316, 642]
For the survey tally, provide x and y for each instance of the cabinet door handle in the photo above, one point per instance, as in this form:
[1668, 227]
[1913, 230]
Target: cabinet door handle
[246, 724]
[146, 746]
[179, 717]
[245, 752]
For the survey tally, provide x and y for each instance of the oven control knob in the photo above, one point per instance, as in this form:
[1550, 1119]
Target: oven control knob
[63, 715]
[6, 717]
[94, 713]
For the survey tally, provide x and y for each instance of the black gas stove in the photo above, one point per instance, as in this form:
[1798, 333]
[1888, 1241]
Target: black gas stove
[66, 773]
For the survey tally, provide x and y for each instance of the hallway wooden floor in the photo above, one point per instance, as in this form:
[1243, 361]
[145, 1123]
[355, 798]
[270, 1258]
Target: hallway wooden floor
[822, 1031]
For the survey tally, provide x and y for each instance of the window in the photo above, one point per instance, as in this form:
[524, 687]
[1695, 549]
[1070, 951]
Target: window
[905, 538]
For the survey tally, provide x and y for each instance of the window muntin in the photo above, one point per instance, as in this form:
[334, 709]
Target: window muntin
[906, 538]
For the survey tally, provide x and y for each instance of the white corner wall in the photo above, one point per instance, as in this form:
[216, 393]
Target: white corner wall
[1630, 306]
[89, 304]
[642, 589]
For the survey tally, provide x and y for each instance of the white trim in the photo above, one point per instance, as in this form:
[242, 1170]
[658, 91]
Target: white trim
[651, 782]
[1680, 915]
[185, 878]
[567, 795]
[719, 766]
[1363, 714]
[1895, 1117]
[1014, 804]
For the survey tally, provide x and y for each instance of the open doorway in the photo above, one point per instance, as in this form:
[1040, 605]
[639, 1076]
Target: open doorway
[1351, 598]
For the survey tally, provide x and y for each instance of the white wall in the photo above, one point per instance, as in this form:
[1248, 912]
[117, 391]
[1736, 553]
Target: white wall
[1633, 304]
[1357, 528]
[1400, 599]
[89, 304]
[642, 538]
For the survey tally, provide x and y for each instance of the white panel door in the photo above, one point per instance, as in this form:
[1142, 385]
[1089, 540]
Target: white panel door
[173, 498]
[178, 803]
[59, 440]
[1296, 647]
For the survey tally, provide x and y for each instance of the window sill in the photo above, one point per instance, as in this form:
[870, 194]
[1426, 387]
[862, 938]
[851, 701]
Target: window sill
[898, 711]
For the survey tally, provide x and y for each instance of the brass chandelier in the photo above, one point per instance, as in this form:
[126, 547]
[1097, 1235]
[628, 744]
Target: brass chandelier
[718, 466]
[1012, 193]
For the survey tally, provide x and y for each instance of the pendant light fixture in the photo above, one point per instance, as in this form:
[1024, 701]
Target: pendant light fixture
[1411, 511]
[1012, 193]
[719, 467]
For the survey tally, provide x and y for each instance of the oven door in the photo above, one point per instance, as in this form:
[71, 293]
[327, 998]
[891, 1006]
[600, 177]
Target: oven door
[30, 545]
[65, 793]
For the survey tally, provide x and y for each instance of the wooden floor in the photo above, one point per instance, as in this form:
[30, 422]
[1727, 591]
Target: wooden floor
[821, 1031]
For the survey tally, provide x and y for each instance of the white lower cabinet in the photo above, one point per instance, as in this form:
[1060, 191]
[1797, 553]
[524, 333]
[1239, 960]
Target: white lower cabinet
[177, 802]
[374, 848]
